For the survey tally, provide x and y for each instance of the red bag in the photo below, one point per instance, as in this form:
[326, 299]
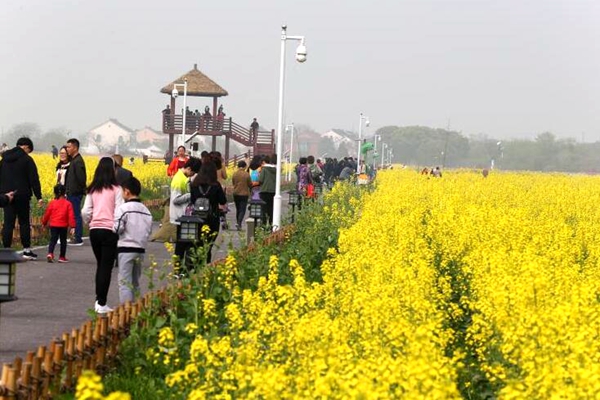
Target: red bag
[310, 190]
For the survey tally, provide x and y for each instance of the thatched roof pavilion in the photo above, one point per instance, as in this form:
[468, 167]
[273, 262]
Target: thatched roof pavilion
[199, 85]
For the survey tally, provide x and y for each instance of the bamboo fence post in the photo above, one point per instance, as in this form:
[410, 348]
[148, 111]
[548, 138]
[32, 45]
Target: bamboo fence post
[87, 351]
[11, 383]
[4, 382]
[101, 342]
[36, 376]
[26, 379]
[47, 373]
[70, 341]
[57, 366]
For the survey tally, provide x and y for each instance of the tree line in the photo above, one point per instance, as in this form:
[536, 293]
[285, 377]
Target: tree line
[424, 146]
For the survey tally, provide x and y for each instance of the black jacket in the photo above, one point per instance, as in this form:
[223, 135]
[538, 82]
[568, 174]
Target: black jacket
[19, 172]
[123, 174]
[76, 177]
[216, 197]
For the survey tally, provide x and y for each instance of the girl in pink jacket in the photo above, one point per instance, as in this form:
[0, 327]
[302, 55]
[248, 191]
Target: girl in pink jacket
[103, 198]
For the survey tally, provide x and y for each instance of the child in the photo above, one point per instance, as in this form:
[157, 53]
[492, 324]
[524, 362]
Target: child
[133, 224]
[59, 216]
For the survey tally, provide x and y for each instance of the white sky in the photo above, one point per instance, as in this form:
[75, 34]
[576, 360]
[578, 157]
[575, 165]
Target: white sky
[506, 68]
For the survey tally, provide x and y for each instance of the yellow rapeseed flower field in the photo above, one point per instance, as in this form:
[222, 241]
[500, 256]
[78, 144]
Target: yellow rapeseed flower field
[153, 176]
[460, 287]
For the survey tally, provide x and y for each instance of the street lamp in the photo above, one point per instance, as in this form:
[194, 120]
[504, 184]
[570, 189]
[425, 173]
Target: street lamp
[375, 154]
[300, 57]
[175, 93]
[291, 128]
[360, 123]
[383, 147]
[294, 199]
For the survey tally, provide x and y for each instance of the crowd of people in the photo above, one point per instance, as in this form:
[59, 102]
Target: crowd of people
[119, 223]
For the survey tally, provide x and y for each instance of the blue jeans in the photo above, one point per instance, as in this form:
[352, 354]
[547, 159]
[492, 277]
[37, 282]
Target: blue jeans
[76, 203]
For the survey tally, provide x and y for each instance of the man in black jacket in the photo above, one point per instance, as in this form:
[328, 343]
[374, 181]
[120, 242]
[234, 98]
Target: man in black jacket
[18, 174]
[75, 184]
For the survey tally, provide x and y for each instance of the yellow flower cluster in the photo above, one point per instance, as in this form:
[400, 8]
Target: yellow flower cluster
[441, 288]
[153, 176]
[89, 387]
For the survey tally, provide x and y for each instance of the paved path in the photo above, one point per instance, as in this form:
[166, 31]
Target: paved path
[55, 298]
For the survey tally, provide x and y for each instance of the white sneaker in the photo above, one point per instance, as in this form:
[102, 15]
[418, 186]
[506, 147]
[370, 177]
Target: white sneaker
[102, 309]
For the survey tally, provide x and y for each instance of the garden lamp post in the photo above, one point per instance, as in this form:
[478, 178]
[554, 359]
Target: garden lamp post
[256, 209]
[188, 230]
[300, 57]
[175, 94]
[294, 200]
[8, 274]
[360, 123]
[291, 129]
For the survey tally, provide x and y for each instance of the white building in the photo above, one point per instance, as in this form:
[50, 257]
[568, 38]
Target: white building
[109, 134]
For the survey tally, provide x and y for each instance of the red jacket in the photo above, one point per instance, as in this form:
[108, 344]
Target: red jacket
[59, 214]
[174, 166]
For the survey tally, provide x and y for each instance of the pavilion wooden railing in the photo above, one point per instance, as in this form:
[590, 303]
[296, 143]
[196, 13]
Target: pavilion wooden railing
[54, 369]
[174, 124]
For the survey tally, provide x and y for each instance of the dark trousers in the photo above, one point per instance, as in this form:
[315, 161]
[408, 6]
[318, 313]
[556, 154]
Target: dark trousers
[76, 203]
[268, 208]
[241, 202]
[19, 208]
[56, 233]
[104, 246]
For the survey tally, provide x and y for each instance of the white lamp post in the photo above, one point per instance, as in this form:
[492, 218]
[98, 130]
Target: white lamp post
[291, 129]
[383, 147]
[360, 122]
[175, 93]
[300, 57]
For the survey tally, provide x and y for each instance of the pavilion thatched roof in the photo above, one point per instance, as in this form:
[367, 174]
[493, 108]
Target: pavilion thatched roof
[198, 84]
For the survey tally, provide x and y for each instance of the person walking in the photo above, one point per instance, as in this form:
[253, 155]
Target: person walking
[75, 182]
[217, 158]
[180, 197]
[205, 184]
[178, 162]
[54, 151]
[241, 190]
[133, 224]
[122, 173]
[64, 161]
[59, 216]
[19, 174]
[254, 171]
[267, 181]
[103, 199]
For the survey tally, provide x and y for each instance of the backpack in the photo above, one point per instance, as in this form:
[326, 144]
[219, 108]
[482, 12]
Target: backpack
[202, 207]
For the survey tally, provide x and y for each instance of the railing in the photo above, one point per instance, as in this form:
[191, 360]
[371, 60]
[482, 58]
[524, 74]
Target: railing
[215, 126]
[261, 141]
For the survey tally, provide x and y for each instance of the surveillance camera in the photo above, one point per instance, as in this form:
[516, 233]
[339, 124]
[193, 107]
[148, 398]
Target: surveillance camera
[174, 93]
[301, 53]
[367, 123]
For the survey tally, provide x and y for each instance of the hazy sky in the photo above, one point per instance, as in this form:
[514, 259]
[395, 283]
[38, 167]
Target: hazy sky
[505, 68]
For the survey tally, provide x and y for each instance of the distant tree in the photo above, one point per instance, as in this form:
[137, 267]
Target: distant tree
[28, 129]
[56, 136]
